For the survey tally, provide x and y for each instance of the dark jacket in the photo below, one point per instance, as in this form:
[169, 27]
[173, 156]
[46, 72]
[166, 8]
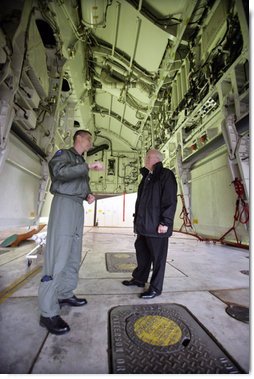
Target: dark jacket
[156, 202]
[69, 174]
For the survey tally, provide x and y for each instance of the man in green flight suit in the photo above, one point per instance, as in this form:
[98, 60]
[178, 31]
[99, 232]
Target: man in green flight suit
[70, 187]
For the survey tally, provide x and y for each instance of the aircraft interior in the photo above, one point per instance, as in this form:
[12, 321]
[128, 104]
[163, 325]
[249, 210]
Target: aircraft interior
[138, 75]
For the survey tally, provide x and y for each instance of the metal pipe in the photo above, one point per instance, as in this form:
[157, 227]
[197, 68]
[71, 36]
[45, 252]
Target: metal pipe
[23, 168]
[95, 223]
[109, 114]
[152, 131]
[69, 19]
[31, 254]
[116, 28]
[96, 149]
[18, 132]
[136, 41]
[124, 206]
[122, 118]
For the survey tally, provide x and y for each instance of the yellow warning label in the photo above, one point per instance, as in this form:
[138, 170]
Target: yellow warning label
[157, 330]
[126, 266]
[122, 255]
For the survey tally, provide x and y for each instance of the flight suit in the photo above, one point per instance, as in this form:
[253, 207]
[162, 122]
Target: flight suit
[70, 187]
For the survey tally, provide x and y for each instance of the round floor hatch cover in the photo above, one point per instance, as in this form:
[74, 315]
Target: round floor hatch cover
[238, 312]
[163, 339]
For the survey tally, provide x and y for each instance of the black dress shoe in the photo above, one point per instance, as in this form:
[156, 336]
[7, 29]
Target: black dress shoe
[133, 282]
[55, 324]
[150, 294]
[73, 301]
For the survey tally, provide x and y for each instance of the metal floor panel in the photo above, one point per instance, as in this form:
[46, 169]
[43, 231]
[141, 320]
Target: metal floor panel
[3, 251]
[204, 279]
[121, 262]
[163, 339]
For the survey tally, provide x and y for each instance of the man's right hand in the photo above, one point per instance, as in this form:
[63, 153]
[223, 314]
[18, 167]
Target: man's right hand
[97, 166]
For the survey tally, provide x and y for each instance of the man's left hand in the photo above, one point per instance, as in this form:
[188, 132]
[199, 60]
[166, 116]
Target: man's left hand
[162, 229]
[90, 198]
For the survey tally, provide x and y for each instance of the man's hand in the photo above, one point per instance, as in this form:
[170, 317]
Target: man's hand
[162, 229]
[90, 198]
[97, 166]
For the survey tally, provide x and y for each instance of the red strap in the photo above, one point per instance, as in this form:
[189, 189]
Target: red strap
[242, 216]
[239, 188]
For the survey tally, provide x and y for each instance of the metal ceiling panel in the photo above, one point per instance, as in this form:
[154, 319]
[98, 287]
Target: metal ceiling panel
[134, 35]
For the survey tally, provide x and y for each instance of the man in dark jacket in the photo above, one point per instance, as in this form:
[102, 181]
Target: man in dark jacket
[153, 223]
[70, 186]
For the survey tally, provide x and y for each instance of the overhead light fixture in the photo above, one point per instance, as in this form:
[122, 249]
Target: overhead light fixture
[94, 13]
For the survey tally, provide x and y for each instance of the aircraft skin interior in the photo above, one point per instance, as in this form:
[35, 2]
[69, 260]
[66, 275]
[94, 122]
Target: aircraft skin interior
[138, 74]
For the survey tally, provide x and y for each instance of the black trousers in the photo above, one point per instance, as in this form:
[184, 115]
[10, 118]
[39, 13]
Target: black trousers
[151, 251]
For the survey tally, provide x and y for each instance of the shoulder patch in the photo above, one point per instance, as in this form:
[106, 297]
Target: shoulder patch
[59, 152]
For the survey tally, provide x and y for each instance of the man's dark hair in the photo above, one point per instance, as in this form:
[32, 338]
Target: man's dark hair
[80, 132]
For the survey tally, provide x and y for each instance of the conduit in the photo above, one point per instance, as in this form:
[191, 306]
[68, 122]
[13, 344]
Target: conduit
[124, 206]
[96, 149]
[16, 164]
